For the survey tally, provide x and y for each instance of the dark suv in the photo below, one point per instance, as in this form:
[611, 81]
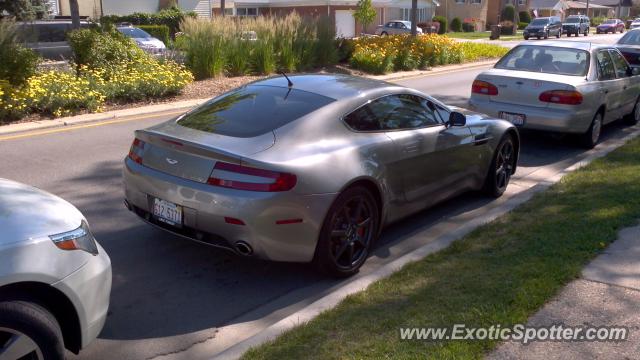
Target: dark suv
[576, 25]
[543, 27]
[48, 38]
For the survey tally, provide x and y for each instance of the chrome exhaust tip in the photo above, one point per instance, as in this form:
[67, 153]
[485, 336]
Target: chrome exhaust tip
[244, 248]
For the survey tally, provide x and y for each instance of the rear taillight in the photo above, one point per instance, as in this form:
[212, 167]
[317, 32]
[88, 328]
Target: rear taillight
[248, 178]
[484, 88]
[566, 97]
[137, 148]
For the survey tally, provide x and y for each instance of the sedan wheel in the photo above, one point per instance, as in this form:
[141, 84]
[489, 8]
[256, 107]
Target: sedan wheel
[592, 136]
[502, 166]
[634, 117]
[28, 332]
[350, 228]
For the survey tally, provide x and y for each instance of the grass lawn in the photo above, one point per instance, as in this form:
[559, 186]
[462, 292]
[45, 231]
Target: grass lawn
[501, 273]
[482, 35]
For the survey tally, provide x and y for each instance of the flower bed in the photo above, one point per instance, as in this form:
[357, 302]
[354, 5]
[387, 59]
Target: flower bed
[379, 55]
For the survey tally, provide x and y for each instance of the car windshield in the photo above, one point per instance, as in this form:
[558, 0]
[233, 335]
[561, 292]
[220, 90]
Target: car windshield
[253, 110]
[540, 22]
[610, 22]
[630, 38]
[134, 33]
[546, 59]
[570, 20]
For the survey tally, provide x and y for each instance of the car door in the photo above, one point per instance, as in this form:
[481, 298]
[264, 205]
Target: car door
[610, 87]
[401, 28]
[628, 96]
[429, 153]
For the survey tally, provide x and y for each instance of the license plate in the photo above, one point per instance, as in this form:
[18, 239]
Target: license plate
[515, 119]
[167, 212]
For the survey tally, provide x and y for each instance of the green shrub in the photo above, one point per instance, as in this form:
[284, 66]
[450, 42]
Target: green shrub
[98, 49]
[264, 61]
[522, 25]
[508, 13]
[525, 16]
[160, 32]
[170, 17]
[456, 24]
[507, 28]
[597, 20]
[17, 63]
[205, 46]
[325, 49]
[443, 24]
[468, 27]
[345, 49]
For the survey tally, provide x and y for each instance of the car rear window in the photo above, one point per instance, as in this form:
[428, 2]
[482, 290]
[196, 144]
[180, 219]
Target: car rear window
[546, 59]
[540, 21]
[630, 38]
[253, 110]
[135, 33]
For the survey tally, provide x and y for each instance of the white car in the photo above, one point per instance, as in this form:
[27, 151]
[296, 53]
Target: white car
[396, 27]
[635, 24]
[143, 39]
[55, 279]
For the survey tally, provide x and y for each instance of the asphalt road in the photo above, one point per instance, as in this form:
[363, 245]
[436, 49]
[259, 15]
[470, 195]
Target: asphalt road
[169, 294]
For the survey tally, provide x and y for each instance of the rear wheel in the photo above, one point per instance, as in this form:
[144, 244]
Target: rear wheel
[526, 38]
[590, 138]
[349, 230]
[546, 35]
[558, 34]
[634, 117]
[501, 169]
[29, 332]
[384, 33]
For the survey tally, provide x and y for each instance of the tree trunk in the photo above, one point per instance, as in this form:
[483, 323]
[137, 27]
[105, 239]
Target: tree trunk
[222, 7]
[414, 17]
[75, 14]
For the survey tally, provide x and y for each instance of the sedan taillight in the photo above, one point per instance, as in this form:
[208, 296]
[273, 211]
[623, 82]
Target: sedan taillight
[248, 178]
[484, 88]
[566, 97]
[137, 148]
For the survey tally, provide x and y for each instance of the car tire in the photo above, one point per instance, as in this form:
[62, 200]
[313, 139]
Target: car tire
[501, 168]
[34, 325]
[634, 117]
[350, 228]
[590, 138]
[526, 38]
[384, 33]
[546, 35]
[558, 34]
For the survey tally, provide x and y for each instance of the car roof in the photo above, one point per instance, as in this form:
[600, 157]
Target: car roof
[581, 45]
[335, 86]
[37, 22]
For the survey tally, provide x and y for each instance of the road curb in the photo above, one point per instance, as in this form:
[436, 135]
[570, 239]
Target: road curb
[334, 298]
[14, 129]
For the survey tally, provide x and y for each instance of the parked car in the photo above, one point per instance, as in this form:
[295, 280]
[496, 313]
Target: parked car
[143, 39]
[635, 24]
[48, 38]
[610, 26]
[396, 27]
[55, 279]
[332, 160]
[576, 25]
[560, 86]
[543, 27]
[629, 46]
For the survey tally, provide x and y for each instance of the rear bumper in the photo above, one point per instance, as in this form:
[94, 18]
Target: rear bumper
[205, 208]
[570, 120]
[89, 289]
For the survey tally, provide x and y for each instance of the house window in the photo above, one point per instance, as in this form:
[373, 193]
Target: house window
[246, 11]
[228, 11]
[421, 15]
[476, 1]
[460, 1]
[522, 2]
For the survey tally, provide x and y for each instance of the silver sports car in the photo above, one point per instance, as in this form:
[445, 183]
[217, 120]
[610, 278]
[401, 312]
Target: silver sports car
[312, 169]
[560, 86]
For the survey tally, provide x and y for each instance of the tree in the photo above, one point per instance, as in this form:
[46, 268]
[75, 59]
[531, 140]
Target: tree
[24, 9]
[365, 13]
[414, 17]
[222, 4]
[75, 14]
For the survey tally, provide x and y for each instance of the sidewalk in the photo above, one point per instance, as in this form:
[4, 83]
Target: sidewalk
[607, 294]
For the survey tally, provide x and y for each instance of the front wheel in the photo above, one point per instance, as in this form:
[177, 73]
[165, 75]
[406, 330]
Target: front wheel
[384, 33]
[348, 232]
[546, 35]
[502, 167]
[526, 38]
[558, 34]
[29, 331]
[590, 138]
[634, 117]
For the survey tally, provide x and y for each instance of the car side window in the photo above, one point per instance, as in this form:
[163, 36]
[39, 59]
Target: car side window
[620, 64]
[606, 70]
[390, 24]
[392, 112]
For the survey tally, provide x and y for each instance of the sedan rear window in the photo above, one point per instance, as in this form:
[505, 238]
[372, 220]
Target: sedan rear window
[630, 38]
[546, 59]
[253, 110]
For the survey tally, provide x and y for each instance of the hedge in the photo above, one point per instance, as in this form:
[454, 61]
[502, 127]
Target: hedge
[443, 24]
[160, 32]
[456, 25]
[171, 17]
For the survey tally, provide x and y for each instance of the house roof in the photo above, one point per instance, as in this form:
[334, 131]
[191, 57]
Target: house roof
[548, 4]
[583, 5]
[612, 3]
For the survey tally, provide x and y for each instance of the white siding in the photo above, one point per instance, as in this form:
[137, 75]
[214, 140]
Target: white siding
[201, 7]
[125, 7]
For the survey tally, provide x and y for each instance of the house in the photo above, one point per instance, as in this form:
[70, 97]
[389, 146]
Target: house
[542, 8]
[622, 8]
[341, 11]
[480, 12]
[125, 7]
[494, 15]
[595, 10]
[88, 8]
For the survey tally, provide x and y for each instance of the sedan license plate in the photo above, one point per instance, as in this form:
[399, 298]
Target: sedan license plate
[167, 212]
[515, 119]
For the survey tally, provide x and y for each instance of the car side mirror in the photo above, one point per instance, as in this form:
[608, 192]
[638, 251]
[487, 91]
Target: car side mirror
[457, 119]
[633, 71]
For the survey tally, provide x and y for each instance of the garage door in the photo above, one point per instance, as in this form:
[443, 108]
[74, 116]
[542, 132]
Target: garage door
[345, 24]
